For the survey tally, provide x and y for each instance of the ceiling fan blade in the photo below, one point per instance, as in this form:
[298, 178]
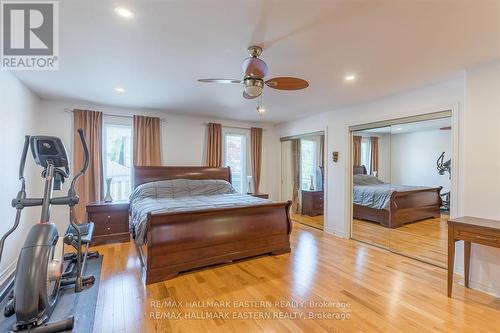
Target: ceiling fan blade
[254, 67]
[287, 83]
[247, 96]
[226, 81]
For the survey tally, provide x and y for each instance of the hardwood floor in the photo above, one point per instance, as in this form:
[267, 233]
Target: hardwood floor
[371, 232]
[425, 240]
[374, 290]
[312, 221]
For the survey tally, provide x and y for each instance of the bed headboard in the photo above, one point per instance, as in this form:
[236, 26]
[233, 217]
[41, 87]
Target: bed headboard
[146, 174]
[359, 170]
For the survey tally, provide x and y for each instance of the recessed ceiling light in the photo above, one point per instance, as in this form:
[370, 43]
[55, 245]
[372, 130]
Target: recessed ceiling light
[124, 12]
[350, 77]
[120, 90]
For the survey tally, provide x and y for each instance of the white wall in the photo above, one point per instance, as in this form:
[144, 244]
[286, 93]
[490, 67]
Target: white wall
[413, 158]
[481, 176]
[384, 157]
[18, 110]
[183, 140]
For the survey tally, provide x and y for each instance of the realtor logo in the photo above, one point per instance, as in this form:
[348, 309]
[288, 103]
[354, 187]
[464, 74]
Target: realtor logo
[29, 35]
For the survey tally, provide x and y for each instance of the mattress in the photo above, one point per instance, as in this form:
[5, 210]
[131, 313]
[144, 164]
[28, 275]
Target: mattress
[369, 191]
[182, 195]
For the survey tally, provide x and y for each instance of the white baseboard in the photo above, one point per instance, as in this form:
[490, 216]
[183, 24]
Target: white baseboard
[459, 270]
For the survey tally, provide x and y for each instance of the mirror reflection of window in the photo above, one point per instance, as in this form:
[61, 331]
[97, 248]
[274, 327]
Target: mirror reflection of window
[308, 164]
[365, 152]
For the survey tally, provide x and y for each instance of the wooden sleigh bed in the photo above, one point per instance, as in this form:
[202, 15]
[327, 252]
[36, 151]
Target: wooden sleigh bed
[405, 207]
[181, 241]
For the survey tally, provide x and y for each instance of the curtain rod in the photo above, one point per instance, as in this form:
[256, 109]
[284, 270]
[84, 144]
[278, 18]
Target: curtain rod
[112, 115]
[237, 127]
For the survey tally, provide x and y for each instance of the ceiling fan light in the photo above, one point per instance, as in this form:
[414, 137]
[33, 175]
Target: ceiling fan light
[261, 110]
[253, 87]
[253, 91]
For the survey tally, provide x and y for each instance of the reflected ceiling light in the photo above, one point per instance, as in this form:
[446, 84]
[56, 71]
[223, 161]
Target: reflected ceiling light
[120, 90]
[398, 128]
[124, 12]
[350, 78]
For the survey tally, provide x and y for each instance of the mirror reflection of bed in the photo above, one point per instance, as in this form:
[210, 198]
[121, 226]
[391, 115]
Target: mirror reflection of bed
[401, 186]
[302, 177]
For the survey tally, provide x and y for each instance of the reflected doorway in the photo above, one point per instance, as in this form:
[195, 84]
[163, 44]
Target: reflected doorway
[303, 177]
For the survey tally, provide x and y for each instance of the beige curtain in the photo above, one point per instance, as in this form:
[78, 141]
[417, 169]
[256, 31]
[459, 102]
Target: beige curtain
[356, 150]
[256, 155]
[90, 186]
[296, 175]
[373, 154]
[147, 146]
[214, 145]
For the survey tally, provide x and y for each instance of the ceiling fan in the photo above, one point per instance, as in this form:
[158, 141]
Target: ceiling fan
[255, 70]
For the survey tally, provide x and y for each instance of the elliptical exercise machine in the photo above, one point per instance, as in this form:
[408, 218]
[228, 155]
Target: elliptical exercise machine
[40, 272]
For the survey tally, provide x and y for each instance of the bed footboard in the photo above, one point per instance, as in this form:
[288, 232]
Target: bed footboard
[411, 206]
[182, 241]
[405, 207]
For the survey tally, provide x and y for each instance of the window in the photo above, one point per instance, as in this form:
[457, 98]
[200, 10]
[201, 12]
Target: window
[235, 152]
[117, 161]
[308, 163]
[365, 153]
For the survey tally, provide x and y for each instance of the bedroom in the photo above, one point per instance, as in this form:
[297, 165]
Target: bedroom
[238, 268]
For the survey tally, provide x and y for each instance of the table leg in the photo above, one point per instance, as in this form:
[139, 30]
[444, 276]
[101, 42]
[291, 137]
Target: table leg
[466, 263]
[451, 258]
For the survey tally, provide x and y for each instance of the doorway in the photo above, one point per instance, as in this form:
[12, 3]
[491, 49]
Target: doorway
[303, 177]
[401, 185]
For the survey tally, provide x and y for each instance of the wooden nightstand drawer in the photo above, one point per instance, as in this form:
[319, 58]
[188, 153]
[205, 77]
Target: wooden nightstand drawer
[482, 237]
[110, 221]
[318, 204]
[312, 203]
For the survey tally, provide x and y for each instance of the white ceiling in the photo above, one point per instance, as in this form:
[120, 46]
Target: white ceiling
[159, 54]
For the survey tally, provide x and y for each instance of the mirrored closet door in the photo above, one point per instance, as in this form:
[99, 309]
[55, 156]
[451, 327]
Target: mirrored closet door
[303, 177]
[401, 187]
[371, 181]
[420, 187]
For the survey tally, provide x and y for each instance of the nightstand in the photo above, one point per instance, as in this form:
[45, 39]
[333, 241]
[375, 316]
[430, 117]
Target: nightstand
[259, 195]
[312, 203]
[110, 220]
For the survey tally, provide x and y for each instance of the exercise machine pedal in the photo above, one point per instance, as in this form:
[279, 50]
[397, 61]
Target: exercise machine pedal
[51, 327]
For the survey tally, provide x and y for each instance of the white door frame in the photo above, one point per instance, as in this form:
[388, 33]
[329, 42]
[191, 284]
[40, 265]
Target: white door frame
[455, 200]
